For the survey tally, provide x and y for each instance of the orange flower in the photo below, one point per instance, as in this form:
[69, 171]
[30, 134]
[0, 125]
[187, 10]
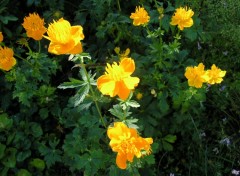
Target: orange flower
[34, 26]
[1, 37]
[215, 74]
[127, 143]
[7, 61]
[183, 18]
[140, 17]
[65, 39]
[117, 79]
[196, 75]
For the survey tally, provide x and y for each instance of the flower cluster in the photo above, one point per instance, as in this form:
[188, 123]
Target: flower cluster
[117, 79]
[140, 17]
[64, 38]
[127, 143]
[197, 75]
[182, 18]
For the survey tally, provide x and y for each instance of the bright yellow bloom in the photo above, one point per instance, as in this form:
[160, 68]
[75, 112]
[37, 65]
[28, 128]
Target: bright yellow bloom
[140, 16]
[183, 18]
[127, 143]
[122, 54]
[117, 79]
[65, 39]
[215, 74]
[7, 61]
[196, 75]
[34, 26]
[1, 37]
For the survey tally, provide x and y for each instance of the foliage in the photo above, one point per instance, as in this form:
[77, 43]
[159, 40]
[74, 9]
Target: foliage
[54, 120]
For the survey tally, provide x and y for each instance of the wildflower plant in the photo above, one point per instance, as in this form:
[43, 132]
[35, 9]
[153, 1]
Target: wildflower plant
[125, 100]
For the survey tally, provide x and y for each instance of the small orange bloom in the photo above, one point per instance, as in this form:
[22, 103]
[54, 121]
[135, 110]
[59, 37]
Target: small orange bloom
[183, 18]
[215, 74]
[196, 75]
[65, 39]
[140, 17]
[127, 143]
[1, 37]
[117, 79]
[7, 61]
[34, 26]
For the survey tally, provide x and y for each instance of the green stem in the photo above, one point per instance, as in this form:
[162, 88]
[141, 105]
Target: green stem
[23, 59]
[39, 47]
[93, 94]
[119, 7]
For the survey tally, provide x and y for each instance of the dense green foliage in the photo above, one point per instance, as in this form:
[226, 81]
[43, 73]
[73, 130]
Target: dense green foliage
[53, 119]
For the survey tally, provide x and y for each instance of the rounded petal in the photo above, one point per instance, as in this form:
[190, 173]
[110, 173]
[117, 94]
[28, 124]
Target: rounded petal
[128, 65]
[106, 85]
[76, 49]
[121, 161]
[60, 48]
[77, 33]
[123, 91]
[131, 82]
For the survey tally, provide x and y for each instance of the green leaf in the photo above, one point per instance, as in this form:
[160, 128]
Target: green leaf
[10, 158]
[72, 84]
[170, 138]
[36, 129]
[149, 159]
[133, 104]
[22, 155]
[118, 112]
[81, 94]
[43, 112]
[167, 146]
[5, 122]
[23, 172]
[38, 163]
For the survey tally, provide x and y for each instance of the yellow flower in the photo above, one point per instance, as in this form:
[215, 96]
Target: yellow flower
[117, 79]
[183, 18]
[34, 26]
[196, 75]
[123, 54]
[64, 38]
[140, 16]
[1, 37]
[215, 75]
[7, 61]
[127, 143]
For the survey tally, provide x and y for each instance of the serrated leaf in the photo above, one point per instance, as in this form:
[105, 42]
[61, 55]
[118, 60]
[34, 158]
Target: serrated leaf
[72, 84]
[170, 138]
[81, 94]
[10, 158]
[38, 163]
[23, 172]
[36, 129]
[5, 122]
[22, 155]
[133, 104]
[167, 146]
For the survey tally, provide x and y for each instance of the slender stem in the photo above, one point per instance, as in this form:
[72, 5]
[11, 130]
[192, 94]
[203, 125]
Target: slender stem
[119, 7]
[93, 94]
[39, 46]
[23, 59]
